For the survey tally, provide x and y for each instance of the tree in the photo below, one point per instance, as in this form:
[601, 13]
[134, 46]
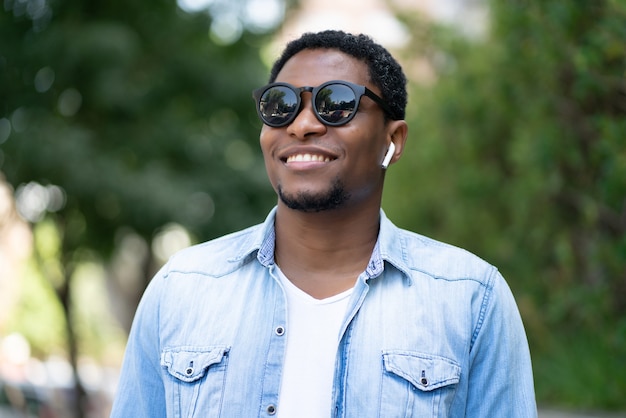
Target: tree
[126, 116]
[517, 153]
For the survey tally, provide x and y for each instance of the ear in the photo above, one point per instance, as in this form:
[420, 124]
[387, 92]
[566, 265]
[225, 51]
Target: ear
[398, 131]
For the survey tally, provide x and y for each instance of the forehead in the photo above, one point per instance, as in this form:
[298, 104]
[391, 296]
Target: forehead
[312, 67]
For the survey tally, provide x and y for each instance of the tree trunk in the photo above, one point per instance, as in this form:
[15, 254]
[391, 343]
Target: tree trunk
[79, 400]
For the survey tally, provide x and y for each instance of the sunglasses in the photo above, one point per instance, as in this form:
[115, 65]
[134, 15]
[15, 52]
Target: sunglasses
[335, 102]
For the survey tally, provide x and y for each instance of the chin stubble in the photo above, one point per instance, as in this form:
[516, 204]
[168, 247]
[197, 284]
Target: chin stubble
[306, 201]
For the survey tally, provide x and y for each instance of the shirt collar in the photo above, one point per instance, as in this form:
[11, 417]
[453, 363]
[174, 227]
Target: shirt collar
[390, 246]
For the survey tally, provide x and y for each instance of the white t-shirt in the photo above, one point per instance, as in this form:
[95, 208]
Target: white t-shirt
[312, 338]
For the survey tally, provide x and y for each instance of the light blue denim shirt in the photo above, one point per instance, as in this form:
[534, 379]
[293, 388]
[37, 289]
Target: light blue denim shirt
[430, 331]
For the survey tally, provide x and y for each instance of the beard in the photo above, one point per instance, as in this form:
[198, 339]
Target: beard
[306, 201]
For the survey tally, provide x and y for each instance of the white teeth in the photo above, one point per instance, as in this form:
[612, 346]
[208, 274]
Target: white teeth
[307, 158]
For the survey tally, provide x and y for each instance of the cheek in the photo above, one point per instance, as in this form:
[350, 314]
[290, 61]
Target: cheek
[368, 147]
[265, 142]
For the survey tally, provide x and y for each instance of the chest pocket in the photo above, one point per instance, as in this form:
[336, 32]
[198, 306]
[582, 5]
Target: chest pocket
[194, 380]
[422, 385]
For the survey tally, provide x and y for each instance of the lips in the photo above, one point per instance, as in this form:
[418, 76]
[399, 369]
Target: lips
[308, 158]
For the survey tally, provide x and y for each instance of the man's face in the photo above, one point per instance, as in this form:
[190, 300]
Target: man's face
[315, 167]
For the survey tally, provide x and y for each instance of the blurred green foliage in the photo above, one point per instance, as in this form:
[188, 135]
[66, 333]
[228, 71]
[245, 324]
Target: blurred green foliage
[518, 153]
[141, 119]
[136, 114]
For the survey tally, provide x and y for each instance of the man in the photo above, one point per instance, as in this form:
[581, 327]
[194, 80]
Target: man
[327, 309]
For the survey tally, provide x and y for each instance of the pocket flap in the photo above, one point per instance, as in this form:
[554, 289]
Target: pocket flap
[424, 371]
[190, 363]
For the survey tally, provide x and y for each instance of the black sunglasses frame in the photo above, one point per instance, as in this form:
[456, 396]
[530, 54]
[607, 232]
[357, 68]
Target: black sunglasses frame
[359, 91]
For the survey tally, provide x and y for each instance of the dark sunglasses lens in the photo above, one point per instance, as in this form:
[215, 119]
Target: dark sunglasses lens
[277, 105]
[335, 104]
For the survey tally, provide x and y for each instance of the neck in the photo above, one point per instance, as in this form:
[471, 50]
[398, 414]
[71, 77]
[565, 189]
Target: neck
[323, 253]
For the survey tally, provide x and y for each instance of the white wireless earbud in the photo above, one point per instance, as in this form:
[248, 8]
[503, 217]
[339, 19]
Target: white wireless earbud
[389, 155]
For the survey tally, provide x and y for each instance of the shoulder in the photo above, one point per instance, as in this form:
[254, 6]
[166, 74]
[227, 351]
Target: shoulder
[443, 260]
[417, 254]
[218, 256]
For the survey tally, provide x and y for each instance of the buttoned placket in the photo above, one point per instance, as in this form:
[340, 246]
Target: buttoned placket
[276, 352]
[358, 296]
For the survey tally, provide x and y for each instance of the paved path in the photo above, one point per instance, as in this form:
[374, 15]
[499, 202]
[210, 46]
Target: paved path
[553, 413]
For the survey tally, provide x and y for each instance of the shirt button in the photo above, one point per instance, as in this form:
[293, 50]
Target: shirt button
[424, 381]
[280, 330]
[189, 371]
[271, 410]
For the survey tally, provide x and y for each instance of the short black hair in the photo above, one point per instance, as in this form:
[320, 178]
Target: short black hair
[384, 70]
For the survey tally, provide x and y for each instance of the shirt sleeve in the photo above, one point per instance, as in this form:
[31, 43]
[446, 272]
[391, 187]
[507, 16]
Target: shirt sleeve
[500, 376]
[140, 392]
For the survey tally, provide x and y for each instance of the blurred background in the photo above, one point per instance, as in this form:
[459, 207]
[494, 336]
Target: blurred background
[128, 131]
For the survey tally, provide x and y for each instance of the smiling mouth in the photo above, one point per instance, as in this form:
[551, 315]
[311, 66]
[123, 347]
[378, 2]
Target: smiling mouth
[308, 158]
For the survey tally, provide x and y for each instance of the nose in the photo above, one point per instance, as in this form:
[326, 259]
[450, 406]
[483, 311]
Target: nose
[306, 123]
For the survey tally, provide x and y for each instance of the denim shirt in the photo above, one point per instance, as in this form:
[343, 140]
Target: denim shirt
[430, 331]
